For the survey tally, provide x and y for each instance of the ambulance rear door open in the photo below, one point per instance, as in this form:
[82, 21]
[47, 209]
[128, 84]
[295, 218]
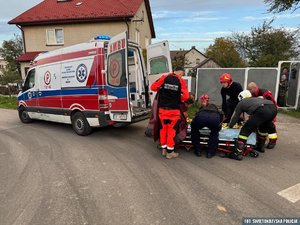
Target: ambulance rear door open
[117, 79]
[158, 62]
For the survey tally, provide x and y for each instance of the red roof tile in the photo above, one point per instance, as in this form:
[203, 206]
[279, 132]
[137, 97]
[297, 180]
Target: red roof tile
[72, 11]
[28, 56]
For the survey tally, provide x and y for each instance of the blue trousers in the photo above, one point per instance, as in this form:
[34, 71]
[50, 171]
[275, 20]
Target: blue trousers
[212, 121]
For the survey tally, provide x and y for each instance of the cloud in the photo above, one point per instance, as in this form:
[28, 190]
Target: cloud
[187, 16]
[284, 16]
[10, 10]
[167, 15]
[292, 29]
[176, 34]
[194, 5]
[7, 29]
[218, 33]
[188, 40]
[199, 19]
[15, 7]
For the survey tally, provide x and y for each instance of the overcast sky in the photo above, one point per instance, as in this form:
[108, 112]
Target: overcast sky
[183, 22]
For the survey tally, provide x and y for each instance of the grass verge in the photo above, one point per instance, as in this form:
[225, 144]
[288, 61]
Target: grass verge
[8, 102]
[291, 112]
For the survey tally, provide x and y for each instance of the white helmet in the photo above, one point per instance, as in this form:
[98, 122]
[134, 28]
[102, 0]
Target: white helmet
[244, 94]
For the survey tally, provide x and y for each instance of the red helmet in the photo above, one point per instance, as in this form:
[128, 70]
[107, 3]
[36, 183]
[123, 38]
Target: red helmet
[226, 78]
[204, 98]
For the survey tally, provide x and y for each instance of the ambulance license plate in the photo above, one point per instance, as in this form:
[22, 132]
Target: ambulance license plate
[120, 116]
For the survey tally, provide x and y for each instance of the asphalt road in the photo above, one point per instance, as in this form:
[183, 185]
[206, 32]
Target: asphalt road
[49, 175]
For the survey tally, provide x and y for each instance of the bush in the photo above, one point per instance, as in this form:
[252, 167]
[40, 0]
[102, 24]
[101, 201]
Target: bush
[9, 77]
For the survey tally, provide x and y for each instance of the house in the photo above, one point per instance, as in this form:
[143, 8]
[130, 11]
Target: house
[55, 24]
[3, 64]
[193, 59]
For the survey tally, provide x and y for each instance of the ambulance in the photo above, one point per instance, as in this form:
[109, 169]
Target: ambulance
[95, 84]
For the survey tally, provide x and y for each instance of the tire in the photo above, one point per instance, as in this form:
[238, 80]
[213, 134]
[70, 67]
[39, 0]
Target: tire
[23, 115]
[80, 124]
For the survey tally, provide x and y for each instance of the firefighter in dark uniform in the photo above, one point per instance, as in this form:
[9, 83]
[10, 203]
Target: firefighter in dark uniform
[208, 116]
[262, 112]
[266, 94]
[172, 92]
[231, 89]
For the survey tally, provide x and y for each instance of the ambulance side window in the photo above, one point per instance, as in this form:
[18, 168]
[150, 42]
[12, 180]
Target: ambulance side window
[159, 65]
[30, 80]
[116, 73]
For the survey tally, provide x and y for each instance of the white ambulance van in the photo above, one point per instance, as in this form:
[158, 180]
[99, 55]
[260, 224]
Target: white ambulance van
[95, 84]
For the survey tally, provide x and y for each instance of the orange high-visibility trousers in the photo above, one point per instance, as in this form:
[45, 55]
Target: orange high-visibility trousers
[169, 119]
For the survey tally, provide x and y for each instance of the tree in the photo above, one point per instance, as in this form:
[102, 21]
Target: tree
[10, 51]
[265, 45]
[277, 6]
[179, 60]
[223, 51]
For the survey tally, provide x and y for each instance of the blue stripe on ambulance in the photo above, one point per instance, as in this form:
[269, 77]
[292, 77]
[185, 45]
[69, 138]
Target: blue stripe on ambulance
[118, 92]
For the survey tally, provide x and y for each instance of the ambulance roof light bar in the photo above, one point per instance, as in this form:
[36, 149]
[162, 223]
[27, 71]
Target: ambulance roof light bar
[103, 37]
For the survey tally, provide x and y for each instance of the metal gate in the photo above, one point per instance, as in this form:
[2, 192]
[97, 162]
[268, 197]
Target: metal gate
[266, 78]
[207, 81]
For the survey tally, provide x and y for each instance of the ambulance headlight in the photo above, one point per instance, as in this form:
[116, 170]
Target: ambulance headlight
[102, 37]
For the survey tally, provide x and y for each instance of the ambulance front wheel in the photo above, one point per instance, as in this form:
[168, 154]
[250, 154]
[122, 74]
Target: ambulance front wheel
[80, 124]
[23, 115]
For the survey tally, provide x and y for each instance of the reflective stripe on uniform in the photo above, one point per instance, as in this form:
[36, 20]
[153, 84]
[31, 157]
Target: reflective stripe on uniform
[243, 137]
[273, 136]
[262, 134]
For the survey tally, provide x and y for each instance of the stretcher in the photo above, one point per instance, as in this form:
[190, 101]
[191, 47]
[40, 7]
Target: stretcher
[227, 139]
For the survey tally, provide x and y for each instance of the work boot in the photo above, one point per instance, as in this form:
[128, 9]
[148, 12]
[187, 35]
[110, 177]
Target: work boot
[172, 155]
[237, 153]
[271, 145]
[261, 142]
[210, 155]
[198, 153]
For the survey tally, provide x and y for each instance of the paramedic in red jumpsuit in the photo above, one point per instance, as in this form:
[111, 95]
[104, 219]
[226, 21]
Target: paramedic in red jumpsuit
[172, 92]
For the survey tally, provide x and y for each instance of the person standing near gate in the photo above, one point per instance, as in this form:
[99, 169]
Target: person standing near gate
[172, 92]
[231, 89]
[283, 88]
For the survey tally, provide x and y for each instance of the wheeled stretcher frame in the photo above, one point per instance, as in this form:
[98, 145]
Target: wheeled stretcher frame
[225, 145]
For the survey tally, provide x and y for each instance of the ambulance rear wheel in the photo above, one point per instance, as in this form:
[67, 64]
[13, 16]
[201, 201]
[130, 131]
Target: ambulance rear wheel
[80, 124]
[23, 115]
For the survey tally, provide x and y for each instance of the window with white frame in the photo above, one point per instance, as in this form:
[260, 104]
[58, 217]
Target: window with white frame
[55, 36]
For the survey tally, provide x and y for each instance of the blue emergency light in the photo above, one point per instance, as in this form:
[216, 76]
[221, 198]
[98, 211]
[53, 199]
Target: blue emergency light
[103, 37]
